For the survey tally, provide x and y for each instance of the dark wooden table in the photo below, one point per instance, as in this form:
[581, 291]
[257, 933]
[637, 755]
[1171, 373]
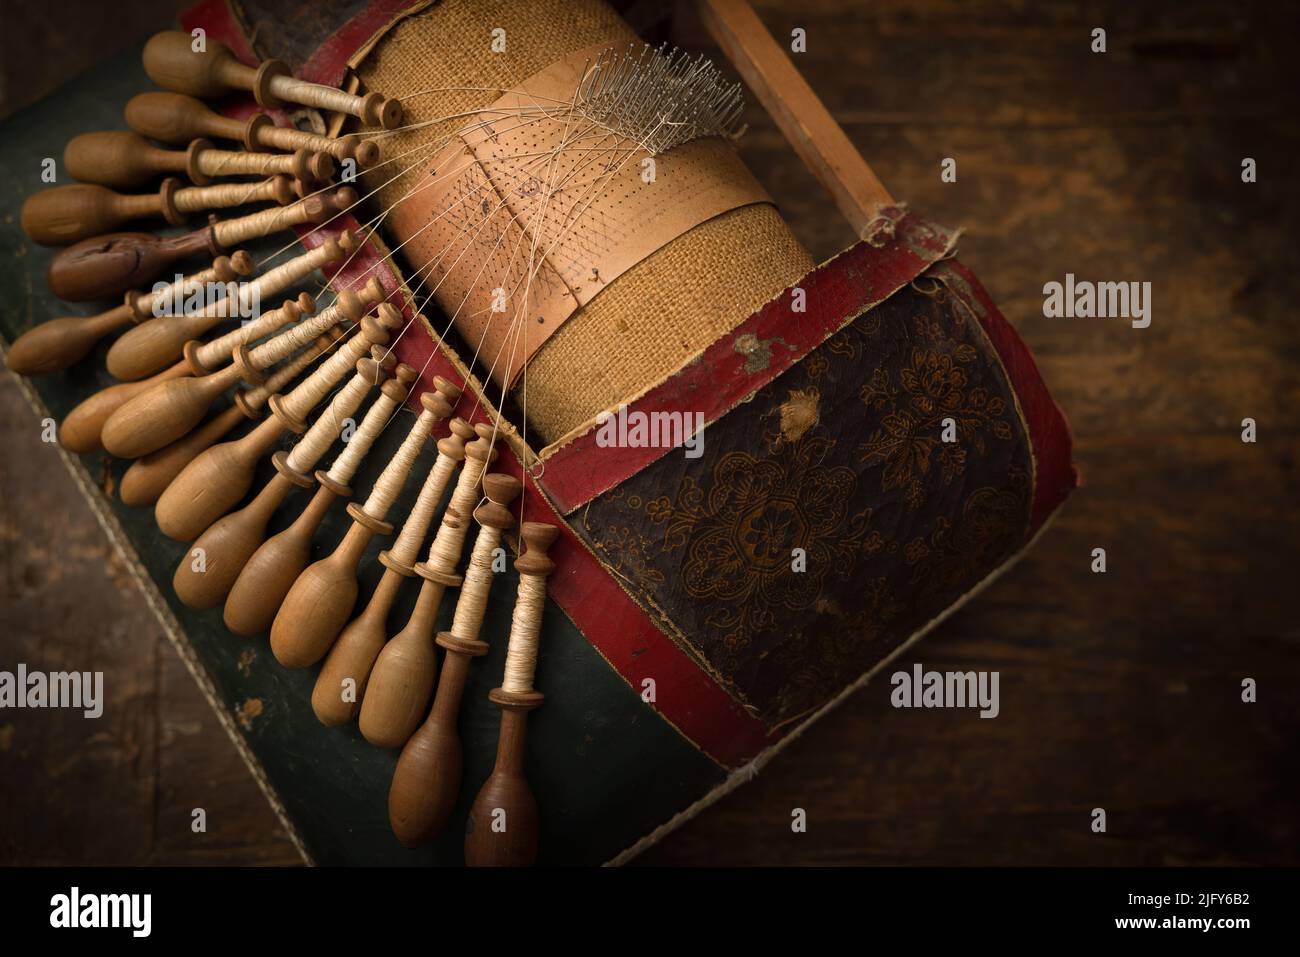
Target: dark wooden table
[1120, 690]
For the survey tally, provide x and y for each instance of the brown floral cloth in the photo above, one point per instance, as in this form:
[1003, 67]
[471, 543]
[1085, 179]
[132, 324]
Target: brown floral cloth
[850, 502]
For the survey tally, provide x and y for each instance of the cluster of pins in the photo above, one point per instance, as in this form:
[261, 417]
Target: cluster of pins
[296, 169]
[659, 97]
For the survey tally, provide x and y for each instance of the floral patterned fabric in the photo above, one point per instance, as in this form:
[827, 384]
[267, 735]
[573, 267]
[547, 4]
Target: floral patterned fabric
[846, 505]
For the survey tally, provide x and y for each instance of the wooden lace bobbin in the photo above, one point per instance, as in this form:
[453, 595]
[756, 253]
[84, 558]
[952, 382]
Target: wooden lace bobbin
[219, 477]
[159, 340]
[175, 118]
[229, 542]
[341, 684]
[506, 791]
[171, 409]
[59, 343]
[81, 428]
[126, 160]
[427, 781]
[172, 62]
[65, 214]
[107, 266]
[207, 357]
[150, 475]
[401, 681]
[268, 575]
[321, 599]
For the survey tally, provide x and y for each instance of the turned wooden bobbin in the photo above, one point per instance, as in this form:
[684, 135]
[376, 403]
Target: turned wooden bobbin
[344, 678]
[320, 601]
[171, 409]
[149, 476]
[161, 340]
[82, 428]
[126, 160]
[65, 214]
[427, 781]
[59, 343]
[219, 477]
[205, 576]
[267, 577]
[502, 827]
[175, 118]
[403, 676]
[207, 357]
[172, 62]
[107, 266]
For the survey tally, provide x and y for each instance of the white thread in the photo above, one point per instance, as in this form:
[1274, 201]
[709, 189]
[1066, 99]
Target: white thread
[175, 291]
[301, 334]
[345, 465]
[444, 553]
[328, 425]
[407, 546]
[235, 231]
[311, 390]
[472, 603]
[256, 397]
[314, 94]
[223, 347]
[525, 626]
[193, 198]
[389, 484]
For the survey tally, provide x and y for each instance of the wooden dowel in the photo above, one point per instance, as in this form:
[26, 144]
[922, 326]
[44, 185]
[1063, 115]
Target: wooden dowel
[805, 121]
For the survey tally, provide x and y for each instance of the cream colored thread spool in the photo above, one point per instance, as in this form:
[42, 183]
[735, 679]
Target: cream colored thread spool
[192, 199]
[293, 408]
[349, 305]
[471, 604]
[252, 400]
[208, 355]
[205, 161]
[347, 462]
[406, 547]
[232, 232]
[329, 424]
[526, 622]
[223, 269]
[444, 553]
[204, 357]
[389, 484]
[151, 345]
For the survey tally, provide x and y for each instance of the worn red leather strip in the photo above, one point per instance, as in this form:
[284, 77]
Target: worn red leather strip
[754, 353]
[330, 61]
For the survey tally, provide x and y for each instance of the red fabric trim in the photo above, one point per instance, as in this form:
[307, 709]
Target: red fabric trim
[1049, 431]
[330, 61]
[725, 375]
[216, 17]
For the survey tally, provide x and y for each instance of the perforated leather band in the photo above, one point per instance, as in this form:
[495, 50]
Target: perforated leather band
[533, 184]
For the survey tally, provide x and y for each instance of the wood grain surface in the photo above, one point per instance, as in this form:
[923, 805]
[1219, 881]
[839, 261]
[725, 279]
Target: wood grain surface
[1119, 691]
